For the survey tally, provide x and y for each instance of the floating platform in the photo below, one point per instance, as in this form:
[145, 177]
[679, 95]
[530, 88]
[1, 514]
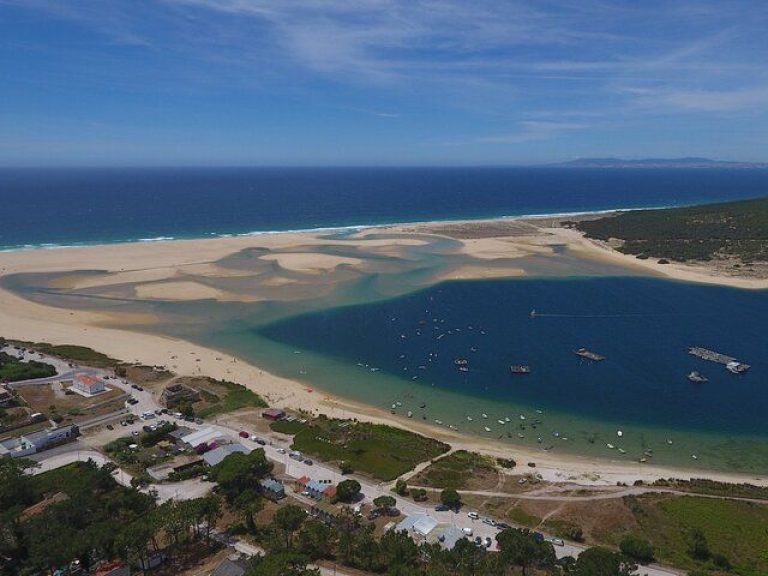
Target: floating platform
[589, 355]
[731, 364]
[520, 369]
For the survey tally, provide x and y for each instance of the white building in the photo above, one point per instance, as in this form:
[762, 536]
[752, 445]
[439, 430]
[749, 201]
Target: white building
[88, 385]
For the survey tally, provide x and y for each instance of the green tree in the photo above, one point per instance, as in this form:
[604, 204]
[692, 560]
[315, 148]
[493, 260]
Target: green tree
[280, 564]
[522, 548]
[600, 561]
[639, 549]
[314, 540]
[397, 549]
[401, 488]
[240, 472]
[288, 520]
[450, 498]
[348, 491]
[698, 547]
[384, 501]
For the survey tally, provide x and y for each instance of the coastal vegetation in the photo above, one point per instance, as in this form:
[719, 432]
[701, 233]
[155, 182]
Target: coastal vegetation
[381, 451]
[229, 397]
[456, 470]
[71, 353]
[731, 230]
[12, 369]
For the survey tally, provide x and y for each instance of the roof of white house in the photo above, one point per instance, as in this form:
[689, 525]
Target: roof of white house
[202, 436]
[421, 523]
[216, 455]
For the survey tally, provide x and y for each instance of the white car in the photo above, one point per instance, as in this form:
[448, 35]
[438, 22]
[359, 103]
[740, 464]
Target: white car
[473, 515]
[281, 450]
[556, 541]
[467, 531]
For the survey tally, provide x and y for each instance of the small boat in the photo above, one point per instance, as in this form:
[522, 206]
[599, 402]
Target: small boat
[487, 429]
[669, 441]
[410, 414]
[520, 369]
[500, 421]
[694, 456]
[394, 406]
[619, 433]
[533, 313]
[521, 435]
[439, 422]
[522, 417]
[469, 418]
[610, 446]
[506, 419]
[399, 403]
[539, 440]
[622, 451]
[697, 377]
[642, 460]
[589, 355]
[485, 415]
[422, 406]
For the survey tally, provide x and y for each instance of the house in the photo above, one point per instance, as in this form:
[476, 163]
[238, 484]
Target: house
[163, 471]
[6, 395]
[88, 385]
[231, 567]
[317, 489]
[176, 394]
[272, 489]
[29, 444]
[414, 524]
[199, 437]
[325, 512]
[217, 455]
[113, 568]
[273, 414]
[446, 536]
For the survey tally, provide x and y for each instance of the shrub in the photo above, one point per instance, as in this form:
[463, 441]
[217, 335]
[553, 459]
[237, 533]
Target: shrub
[637, 548]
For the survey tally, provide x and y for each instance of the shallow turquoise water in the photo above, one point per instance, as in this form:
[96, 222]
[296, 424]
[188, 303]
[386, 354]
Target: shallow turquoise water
[401, 351]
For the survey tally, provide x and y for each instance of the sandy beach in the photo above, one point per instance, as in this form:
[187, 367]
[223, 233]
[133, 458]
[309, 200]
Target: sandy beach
[289, 266]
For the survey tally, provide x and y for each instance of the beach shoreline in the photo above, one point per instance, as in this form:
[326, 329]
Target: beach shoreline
[159, 261]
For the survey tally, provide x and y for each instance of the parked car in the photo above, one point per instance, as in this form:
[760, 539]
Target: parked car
[557, 541]
[146, 428]
[538, 536]
[308, 462]
[244, 434]
[296, 456]
[259, 441]
[488, 541]
[135, 386]
[489, 521]
[473, 515]
[467, 531]
[281, 450]
[373, 514]
[502, 525]
[110, 427]
[442, 508]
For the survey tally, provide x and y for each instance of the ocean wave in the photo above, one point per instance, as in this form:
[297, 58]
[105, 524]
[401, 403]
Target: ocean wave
[352, 228]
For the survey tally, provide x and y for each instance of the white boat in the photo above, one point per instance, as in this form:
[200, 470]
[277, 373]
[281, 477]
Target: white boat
[485, 415]
[487, 429]
[506, 419]
[611, 446]
[469, 418]
[669, 441]
[501, 422]
[410, 414]
[619, 433]
[622, 450]
[694, 456]
[522, 417]
[521, 435]
[439, 422]
[394, 406]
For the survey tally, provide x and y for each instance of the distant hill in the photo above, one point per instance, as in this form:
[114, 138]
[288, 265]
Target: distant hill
[657, 163]
[730, 230]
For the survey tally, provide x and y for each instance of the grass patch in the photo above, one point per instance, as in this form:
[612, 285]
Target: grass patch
[520, 516]
[732, 528]
[286, 427]
[236, 397]
[455, 470]
[380, 451]
[715, 488]
[70, 353]
[14, 370]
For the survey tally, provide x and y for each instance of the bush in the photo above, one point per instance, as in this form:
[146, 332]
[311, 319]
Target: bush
[637, 548]
[450, 498]
[698, 547]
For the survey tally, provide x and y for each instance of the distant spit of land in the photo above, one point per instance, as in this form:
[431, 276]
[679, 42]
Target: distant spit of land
[689, 162]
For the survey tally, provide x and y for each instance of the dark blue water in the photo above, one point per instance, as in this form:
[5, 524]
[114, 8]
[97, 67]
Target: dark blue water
[74, 206]
[643, 326]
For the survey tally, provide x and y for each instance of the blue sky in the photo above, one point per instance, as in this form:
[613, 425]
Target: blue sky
[380, 82]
